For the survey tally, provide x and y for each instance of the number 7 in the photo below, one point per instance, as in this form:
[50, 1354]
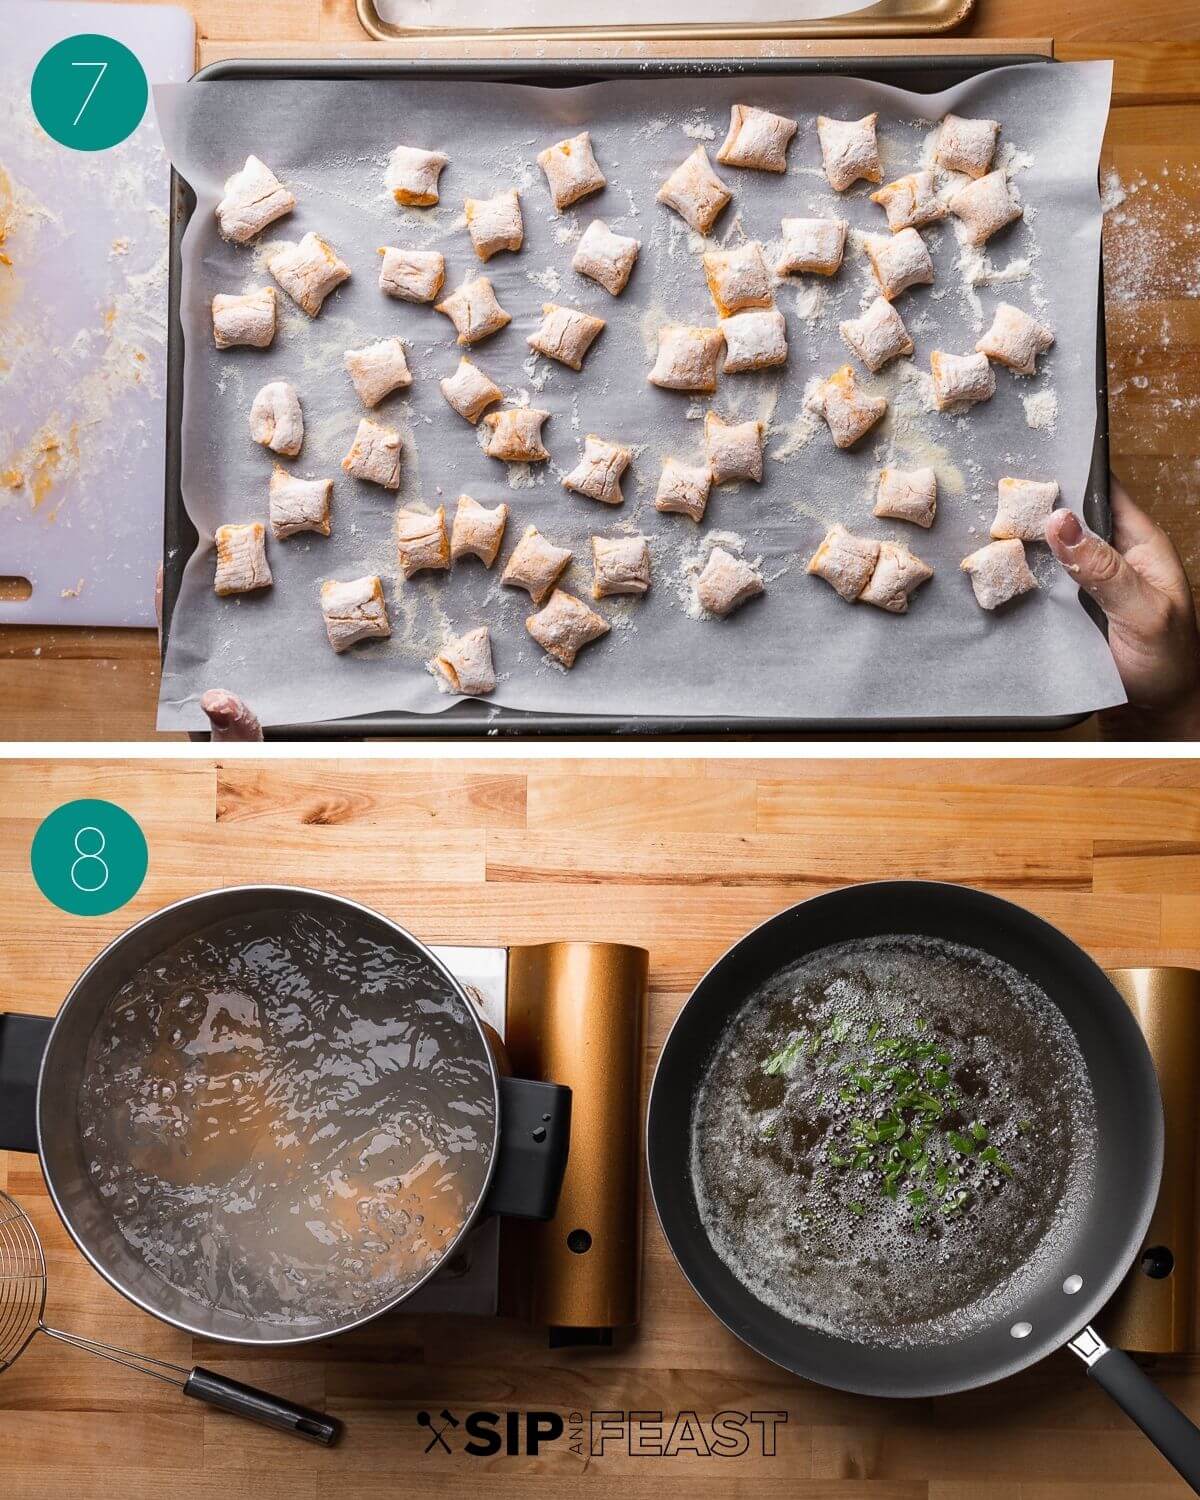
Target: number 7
[103, 66]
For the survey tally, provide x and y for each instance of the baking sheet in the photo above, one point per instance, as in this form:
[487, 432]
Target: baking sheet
[555, 15]
[798, 650]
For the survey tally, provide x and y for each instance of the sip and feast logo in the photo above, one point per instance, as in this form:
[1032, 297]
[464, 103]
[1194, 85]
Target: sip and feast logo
[640, 1434]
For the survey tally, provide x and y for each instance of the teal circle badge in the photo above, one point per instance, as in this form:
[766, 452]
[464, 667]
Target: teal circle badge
[89, 857]
[89, 92]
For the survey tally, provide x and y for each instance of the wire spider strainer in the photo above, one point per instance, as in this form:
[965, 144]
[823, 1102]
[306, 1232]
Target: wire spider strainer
[22, 1307]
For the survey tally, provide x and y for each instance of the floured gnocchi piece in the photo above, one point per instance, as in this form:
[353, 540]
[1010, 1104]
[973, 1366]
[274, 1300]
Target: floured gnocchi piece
[465, 664]
[734, 449]
[899, 261]
[966, 145]
[354, 610]
[1023, 508]
[845, 561]
[375, 454]
[687, 358]
[621, 565]
[878, 336]
[254, 198]
[757, 139]
[598, 472]
[412, 176]
[738, 278]
[242, 563]
[308, 272]
[897, 575]
[754, 340]
[849, 151]
[517, 435]
[1015, 339]
[565, 334]
[421, 540]
[469, 391]
[298, 504]
[411, 275]
[474, 311]
[910, 201]
[726, 583]
[248, 319]
[999, 573]
[535, 565]
[695, 192]
[907, 495]
[477, 531]
[565, 627]
[985, 206]
[683, 489]
[571, 170]
[961, 378]
[276, 420]
[377, 369]
[604, 257]
[815, 245]
[849, 412]
[495, 223]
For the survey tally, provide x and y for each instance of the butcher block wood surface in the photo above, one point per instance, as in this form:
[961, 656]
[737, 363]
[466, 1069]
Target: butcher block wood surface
[682, 857]
[89, 684]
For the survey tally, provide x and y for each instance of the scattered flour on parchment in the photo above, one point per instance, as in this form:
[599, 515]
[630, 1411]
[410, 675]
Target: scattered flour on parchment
[548, 279]
[1041, 411]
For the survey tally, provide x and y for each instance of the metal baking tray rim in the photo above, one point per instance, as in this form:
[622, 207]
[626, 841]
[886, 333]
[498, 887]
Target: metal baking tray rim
[478, 720]
[865, 22]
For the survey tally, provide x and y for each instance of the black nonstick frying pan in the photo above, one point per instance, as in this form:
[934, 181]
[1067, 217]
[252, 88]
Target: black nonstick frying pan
[1059, 1306]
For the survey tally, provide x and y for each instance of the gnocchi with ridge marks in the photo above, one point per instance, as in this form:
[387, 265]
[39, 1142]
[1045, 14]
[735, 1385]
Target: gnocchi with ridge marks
[421, 540]
[598, 472]
[757, 139]
[353, 611]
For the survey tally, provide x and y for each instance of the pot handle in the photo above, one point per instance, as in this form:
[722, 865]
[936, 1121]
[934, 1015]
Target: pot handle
[22, 1043]
[1175, 1437]
[261, 1406]
[531, 1151]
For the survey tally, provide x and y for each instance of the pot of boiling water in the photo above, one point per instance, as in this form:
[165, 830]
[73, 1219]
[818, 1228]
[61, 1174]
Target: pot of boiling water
[267, 1115]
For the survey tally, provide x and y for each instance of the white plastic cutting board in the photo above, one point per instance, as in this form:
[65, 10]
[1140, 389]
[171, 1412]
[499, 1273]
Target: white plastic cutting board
[83, 314]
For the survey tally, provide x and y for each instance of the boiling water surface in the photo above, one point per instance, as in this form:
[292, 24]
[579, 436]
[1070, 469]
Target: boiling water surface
[785, 1196]
[289, 1118]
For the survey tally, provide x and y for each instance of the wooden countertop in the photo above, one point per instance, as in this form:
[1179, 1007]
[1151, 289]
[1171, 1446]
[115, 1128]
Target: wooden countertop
[93, 684]
[682, 857]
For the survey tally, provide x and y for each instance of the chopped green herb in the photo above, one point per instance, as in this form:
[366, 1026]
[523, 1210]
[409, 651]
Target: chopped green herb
[781, 1061]
[904, 1096]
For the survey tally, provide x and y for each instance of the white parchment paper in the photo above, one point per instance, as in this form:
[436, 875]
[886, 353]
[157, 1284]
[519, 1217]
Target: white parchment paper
[798, 650]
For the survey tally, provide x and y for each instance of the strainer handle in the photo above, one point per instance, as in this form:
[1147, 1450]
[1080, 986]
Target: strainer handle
[261, 1406]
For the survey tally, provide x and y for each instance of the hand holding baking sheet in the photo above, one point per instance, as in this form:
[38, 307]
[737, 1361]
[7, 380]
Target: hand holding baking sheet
[1140, 583]
[1043, 656]
[230, 716]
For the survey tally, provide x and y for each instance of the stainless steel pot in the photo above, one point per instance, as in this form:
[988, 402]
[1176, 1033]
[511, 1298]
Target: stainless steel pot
[42, 1065]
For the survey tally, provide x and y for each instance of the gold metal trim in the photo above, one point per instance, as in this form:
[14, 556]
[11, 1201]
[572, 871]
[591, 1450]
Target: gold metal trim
[576, 1015]
[884, 18]
[1147, 1315]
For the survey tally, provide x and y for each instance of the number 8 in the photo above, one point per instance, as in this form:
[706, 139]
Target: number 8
[89, 857]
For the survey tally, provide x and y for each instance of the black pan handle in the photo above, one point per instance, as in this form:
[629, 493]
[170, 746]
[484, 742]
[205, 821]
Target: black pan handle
[531, 1154]
[1175, 1437]
[22, 1043]
[261, 1406]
